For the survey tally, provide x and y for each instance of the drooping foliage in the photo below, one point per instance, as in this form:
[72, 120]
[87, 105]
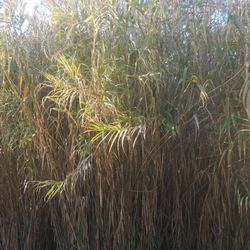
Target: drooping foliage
[125, 125]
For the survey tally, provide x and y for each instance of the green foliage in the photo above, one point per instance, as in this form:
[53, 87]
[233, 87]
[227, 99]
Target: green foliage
[125, 125]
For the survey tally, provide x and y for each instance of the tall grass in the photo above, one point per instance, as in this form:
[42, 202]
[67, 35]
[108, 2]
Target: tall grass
[125, 125]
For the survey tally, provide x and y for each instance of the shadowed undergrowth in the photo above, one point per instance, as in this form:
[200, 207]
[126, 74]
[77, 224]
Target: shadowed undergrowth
[125, 125]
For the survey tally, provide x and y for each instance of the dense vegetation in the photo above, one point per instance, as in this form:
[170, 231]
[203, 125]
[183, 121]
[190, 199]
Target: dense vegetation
[125, 125]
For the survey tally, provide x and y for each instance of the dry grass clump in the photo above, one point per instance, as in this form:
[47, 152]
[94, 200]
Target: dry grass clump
[125, 125]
